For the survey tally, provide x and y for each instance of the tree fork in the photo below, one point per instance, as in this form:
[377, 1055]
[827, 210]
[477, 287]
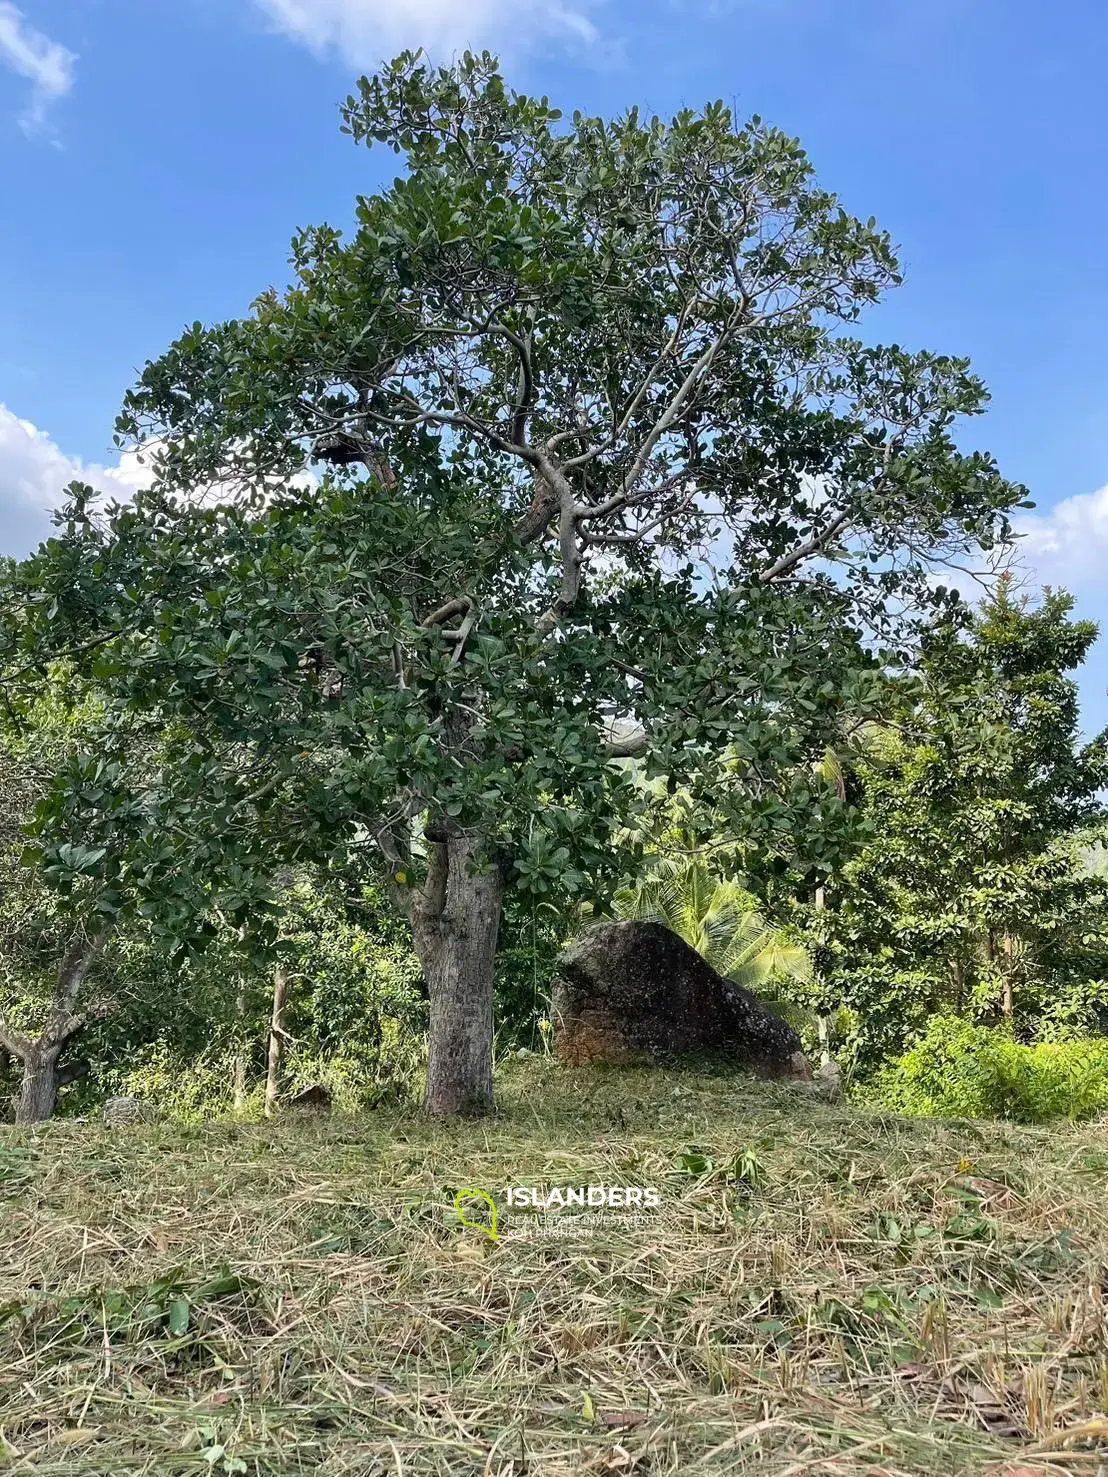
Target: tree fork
[41, 1074]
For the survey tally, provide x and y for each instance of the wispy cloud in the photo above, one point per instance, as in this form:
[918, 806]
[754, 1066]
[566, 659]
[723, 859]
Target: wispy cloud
[363, 32]
[46, 64]
[35, 471]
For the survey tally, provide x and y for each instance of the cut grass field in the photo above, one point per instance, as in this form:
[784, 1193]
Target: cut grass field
[820, 1291]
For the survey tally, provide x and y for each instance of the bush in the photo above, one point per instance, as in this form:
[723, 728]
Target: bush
[201, 1089]
[961, 1070]
[184, 1089]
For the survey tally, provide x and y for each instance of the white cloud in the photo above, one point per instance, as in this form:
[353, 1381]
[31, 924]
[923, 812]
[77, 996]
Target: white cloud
[364, 32]
[33, 474]
[47, 65]
[1067, 546]
[1068, 543]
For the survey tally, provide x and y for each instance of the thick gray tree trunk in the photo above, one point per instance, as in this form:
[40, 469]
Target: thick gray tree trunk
[455, 922]
[41, 1075]
[39, 1090]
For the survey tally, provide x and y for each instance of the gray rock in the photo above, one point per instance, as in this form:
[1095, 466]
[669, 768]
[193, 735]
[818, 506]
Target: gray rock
[118, 1111]
[314, 1099]
[826, 1086]
[627, 992]
[829, 1081]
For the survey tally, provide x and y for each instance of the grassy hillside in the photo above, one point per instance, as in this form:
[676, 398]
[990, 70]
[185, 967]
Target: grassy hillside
[821, 1291]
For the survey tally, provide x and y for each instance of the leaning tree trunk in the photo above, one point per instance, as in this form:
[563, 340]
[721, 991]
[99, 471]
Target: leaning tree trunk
[455, 921]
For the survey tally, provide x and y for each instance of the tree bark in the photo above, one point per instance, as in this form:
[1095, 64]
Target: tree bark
[276, 1040]
[239, 1077]
[822, 1021]
[455, 921]
[38, 1092]
[41, 1078]
[958, 982]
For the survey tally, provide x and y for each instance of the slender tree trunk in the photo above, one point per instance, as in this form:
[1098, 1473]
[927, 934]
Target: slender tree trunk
[276, 1040]
[957, 976]
[455, 922]
[239, 1079]
[822, 1025]
[1007, 1003]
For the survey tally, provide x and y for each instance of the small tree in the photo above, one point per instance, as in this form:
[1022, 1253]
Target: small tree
[604, 476]
[45, 952]
[105, 895]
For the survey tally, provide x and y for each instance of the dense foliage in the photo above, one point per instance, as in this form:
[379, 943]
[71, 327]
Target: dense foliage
[972, 896]
[961, 1070]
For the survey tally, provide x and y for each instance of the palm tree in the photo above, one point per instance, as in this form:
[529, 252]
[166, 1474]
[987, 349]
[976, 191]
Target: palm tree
[719, 919]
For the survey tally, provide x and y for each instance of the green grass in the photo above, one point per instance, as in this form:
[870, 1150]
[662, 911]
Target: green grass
[822, 1291]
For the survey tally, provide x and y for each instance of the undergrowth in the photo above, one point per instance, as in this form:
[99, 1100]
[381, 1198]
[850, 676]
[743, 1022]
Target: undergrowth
[958, 1068]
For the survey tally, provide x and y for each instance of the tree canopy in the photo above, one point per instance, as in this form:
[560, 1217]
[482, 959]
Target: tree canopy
[605, 471]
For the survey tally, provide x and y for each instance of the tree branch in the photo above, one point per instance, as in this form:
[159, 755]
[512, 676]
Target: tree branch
[571, 553]
[631, 746]
[461, 636]
[664, 422]
[815, 545]
[63, 1022]
[11, 1040]
[430, 900]
[458, 606]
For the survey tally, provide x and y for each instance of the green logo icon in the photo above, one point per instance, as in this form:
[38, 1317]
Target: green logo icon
[485, 1199]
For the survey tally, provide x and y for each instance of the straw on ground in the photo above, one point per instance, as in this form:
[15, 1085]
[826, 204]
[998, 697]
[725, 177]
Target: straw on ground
[821, 1291]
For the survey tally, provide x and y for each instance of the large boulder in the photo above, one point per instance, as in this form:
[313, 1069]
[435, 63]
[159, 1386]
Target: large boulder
[631, 992]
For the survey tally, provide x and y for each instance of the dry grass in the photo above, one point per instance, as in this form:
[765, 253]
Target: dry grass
[822, 1291]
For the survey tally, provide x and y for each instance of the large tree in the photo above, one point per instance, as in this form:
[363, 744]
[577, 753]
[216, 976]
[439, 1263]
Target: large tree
[605, 474]
[971, 896]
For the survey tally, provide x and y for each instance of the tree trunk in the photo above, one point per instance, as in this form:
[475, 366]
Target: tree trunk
[822, 1021]
[1007, 1003]
[39, 1090]
[239, 1077]
[276, 1040]
[41, 1078]
[455, 922]
[958, 982]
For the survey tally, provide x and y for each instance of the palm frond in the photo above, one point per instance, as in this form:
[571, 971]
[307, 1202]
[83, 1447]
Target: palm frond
[719, 919]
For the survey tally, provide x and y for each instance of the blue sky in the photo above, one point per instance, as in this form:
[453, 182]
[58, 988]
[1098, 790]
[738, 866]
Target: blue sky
[155, 158]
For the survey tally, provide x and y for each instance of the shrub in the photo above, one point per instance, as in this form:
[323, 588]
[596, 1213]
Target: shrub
[961, 1070]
